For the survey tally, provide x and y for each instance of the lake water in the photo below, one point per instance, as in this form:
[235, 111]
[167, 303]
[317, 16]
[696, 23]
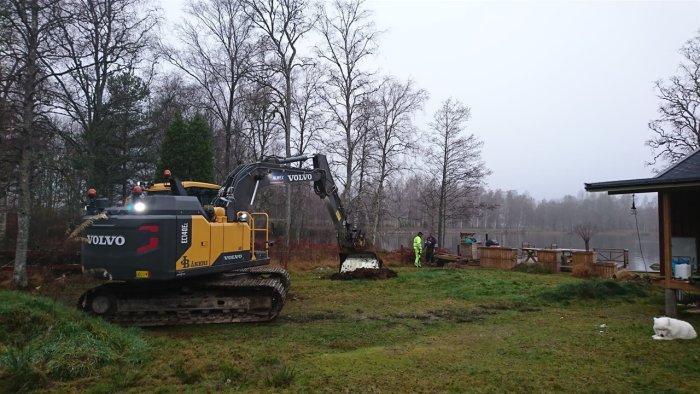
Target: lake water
[641, 256]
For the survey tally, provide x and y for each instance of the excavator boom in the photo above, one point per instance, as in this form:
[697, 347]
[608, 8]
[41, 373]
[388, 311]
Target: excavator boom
[238, 194]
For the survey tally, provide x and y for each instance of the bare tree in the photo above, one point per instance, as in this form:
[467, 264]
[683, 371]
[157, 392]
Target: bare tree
[262, 123]
[309, 120]
[282, 23]
[9, 120]
[30, 24]
[454, 160]
[103, 38]
[218, 53]
[349, 39]
[677, 130]
[585, 231]
[396, 135]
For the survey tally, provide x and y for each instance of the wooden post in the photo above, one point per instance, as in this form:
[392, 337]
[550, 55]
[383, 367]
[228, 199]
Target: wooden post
[671, 302]
[626, 258]
[666, 252]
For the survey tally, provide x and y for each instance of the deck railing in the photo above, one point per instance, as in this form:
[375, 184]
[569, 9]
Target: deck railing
[620, 257]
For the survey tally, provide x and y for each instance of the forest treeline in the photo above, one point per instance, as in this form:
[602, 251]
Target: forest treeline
[502, 210]
[89, 89]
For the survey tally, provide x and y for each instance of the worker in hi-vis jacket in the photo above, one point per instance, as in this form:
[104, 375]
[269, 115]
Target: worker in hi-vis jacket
[418, 248]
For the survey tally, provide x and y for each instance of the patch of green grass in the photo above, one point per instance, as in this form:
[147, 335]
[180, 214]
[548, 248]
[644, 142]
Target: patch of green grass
[279, 376]
[43, 338]
[19, 374]
[429, 330]
[187, 374]
[594, 289]
[536, 268]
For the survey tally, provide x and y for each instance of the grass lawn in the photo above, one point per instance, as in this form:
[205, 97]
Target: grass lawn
[429, 330]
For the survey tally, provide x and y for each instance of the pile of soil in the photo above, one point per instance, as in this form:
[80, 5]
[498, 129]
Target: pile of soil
[365, 273]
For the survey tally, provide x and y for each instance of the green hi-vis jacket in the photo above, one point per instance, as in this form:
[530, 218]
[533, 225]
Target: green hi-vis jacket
[417, 243]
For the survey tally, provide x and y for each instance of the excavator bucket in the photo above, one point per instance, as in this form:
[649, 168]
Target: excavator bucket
[356, 260]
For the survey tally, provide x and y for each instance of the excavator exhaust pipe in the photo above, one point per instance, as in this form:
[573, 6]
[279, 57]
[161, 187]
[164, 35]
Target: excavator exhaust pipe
[356, 260]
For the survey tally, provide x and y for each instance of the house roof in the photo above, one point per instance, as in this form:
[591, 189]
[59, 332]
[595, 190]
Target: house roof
[685, 173]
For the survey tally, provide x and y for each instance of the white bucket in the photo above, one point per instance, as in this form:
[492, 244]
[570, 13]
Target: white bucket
[682, 271]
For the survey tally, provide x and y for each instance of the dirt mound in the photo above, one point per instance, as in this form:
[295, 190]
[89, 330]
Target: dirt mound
[627, 276]
[365, 273]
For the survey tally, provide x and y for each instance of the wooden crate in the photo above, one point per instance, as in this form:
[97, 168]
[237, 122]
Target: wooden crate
[604, 270]
[582, 263]
[550, 258]
[497, 257]
[468, 250]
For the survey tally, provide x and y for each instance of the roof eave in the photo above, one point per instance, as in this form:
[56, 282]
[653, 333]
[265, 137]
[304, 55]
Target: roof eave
[641, 188]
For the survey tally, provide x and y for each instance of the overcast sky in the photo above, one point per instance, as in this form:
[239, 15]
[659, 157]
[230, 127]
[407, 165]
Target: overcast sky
[561, 92]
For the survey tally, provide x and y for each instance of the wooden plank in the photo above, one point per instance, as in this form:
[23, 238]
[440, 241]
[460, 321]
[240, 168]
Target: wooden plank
[678, 284]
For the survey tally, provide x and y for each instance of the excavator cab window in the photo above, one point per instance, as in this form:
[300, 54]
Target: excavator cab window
[205, 195]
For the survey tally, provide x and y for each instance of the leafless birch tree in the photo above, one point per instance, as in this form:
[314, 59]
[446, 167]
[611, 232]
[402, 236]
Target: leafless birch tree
[30, 24]
[282, 24]
[395, 135]
[349, 39]
[454, 161]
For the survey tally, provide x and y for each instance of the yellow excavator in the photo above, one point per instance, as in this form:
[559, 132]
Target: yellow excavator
[171, 258]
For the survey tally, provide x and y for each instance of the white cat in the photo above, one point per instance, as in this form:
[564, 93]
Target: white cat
[669, 328]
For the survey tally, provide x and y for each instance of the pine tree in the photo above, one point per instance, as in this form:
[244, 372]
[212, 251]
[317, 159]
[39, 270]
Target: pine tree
[187, 150]
[202, 157]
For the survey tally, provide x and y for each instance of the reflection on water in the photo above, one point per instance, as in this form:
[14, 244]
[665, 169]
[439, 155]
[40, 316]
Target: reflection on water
[640, 258]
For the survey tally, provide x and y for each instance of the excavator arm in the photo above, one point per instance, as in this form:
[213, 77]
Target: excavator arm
[238, 193]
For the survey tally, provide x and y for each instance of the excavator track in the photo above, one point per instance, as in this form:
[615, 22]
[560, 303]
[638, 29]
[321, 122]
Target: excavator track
[254, 294]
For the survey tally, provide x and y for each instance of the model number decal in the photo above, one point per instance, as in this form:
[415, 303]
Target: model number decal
[184, 233]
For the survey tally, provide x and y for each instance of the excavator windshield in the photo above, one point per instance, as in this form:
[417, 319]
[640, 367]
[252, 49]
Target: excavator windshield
[205, 192]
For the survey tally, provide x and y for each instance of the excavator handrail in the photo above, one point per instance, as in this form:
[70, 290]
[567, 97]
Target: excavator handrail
[254, 230]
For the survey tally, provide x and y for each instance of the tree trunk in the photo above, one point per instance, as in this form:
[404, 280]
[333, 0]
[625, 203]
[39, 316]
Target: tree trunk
[3, 214]
[378, 202]
[288, 152]
[19, 276]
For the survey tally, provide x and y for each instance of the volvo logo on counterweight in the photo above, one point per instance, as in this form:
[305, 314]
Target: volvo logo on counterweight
[107, 240]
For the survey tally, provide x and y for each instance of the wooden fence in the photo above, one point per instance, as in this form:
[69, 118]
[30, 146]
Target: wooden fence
[620, 257]
[585, 264]
[550, 258]
[497, 257]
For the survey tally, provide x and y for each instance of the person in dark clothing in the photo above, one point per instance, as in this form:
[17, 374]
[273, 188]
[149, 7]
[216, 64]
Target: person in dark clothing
[430, 244]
